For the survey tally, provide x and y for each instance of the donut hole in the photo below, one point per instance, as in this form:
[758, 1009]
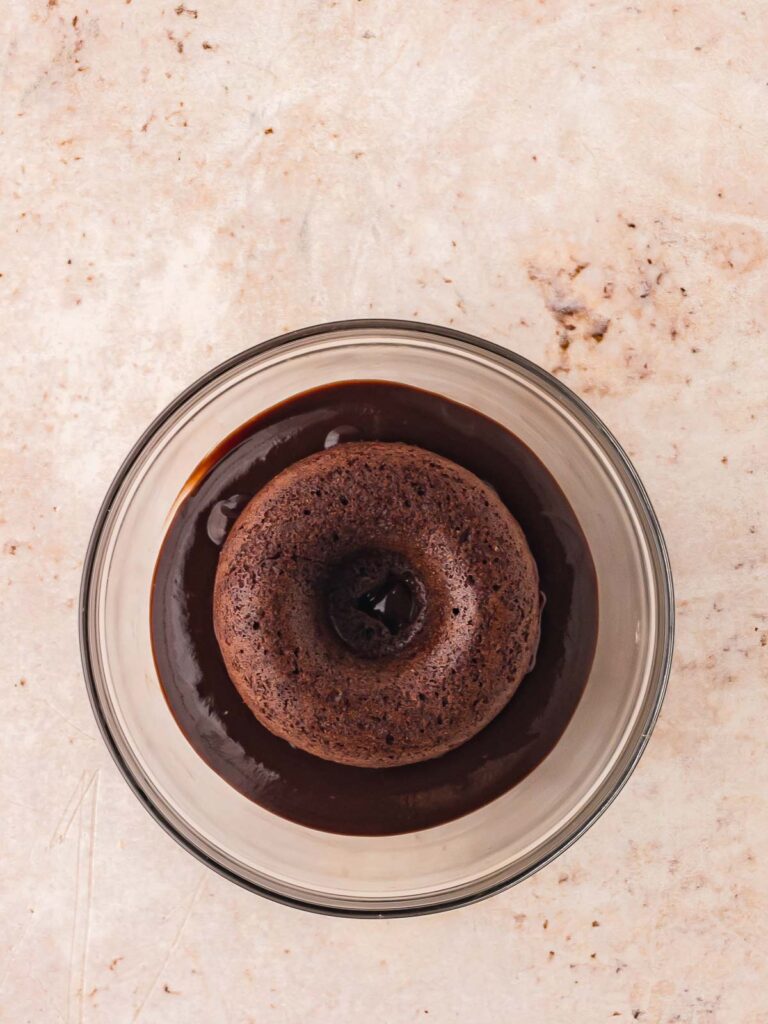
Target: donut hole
[376, 602]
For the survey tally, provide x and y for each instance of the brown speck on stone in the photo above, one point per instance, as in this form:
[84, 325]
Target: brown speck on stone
[577, 270]
[11, 549]
[595, 924]
[630, 224]
[269, 131]
[562, 878]
[545, 923]
[170, 991]
[22, 682]
[695, 350]
[599, 330]
[551, 954]
[535, 158]
[636, 1014]
[724, 459]
[453, 244]
[181, 9]
[53, 3]
[608, 289]
[74, 22]
[564, 342]
[358, 153]
[207, 46]
[180, 46]
[114, 962]
[593, 956]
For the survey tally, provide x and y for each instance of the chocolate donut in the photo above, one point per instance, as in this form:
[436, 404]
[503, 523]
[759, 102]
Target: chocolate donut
[376, 604]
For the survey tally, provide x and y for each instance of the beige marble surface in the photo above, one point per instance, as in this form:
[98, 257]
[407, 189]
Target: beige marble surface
[180, 182]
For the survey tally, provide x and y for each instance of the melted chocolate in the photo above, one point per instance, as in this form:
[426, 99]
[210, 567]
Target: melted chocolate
[375, 603]
[392, 602]
[306, 789]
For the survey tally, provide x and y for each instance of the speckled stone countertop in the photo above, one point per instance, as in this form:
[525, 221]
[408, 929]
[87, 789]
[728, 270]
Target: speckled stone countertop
[582, 181]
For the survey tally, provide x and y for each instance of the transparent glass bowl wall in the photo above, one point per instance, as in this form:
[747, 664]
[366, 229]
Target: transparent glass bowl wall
[464, 859]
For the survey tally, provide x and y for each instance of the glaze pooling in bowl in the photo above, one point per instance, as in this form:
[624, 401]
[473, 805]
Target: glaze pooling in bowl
[360, 801]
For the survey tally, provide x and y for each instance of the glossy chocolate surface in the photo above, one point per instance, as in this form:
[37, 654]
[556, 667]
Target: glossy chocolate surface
[307, 789]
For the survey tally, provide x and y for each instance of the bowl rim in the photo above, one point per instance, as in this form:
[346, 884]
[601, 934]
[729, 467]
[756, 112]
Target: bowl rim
[414, 328]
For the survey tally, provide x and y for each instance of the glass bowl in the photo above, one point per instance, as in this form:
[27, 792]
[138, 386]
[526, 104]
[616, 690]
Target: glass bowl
[483, 852]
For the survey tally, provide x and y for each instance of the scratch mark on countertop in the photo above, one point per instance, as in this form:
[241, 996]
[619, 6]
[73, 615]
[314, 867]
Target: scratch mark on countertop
[565, 23]
[72, 806]
[723, 216]
[81, 916]
[173, 944]
[393, 63]
[15, 947]
[64, 718]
